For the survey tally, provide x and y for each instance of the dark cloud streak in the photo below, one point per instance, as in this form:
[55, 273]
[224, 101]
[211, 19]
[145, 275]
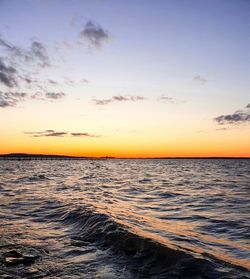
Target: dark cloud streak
[238, 117]
[46, 133]
[118, 98]
[56, 134]
[84, 135]
[53, 133]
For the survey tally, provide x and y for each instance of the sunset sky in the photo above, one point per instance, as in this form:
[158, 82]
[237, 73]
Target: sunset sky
[125, 78]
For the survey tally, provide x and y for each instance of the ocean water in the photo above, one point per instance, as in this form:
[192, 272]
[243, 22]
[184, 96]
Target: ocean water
[126, 218]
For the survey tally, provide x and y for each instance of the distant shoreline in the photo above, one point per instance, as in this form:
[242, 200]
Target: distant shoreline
[27, 156]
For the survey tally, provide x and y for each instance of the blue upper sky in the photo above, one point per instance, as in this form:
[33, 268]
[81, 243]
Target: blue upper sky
[153, 43]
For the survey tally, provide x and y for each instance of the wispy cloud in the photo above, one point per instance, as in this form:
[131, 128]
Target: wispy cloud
[102, 102]
[10, 99]
[84, 80]
[54, 96]
[95, 35]
[19, 66]
[39, 51]
[36, 53]
[84, 135]
[15, 51]
[20, 69]
[47, 133]
[5, 43]
[222, 129]
[69, 81]
[238, 117]
[167, 100]
[53, 133]
[47, 95]
[199, 79]
[52, 82]
[7, 75]
[56, 134]
[118, 98]
[38, 96]
[28, 80]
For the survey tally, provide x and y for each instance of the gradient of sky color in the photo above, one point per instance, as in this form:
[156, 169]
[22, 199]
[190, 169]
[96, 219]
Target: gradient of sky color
[125, 78]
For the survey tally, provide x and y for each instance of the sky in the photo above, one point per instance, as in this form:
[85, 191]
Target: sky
[125, 78]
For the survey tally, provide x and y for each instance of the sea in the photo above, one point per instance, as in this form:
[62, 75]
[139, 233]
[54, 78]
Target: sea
[125, 218]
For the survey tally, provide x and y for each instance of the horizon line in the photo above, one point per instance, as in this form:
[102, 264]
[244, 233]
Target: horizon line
[33, 155]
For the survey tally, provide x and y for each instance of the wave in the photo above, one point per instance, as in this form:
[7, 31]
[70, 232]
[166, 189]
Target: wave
[33, 178]
[147, 257]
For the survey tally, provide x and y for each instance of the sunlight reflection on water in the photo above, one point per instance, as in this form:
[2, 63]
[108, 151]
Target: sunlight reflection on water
[201, 206]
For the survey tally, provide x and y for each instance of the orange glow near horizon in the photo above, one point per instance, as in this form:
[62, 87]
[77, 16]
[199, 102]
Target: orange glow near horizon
[133, 147]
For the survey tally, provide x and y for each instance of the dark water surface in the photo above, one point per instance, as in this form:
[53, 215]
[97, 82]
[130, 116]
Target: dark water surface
[173, 218]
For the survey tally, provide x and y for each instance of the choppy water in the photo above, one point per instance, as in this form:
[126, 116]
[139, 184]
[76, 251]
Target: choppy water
[115, 218]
